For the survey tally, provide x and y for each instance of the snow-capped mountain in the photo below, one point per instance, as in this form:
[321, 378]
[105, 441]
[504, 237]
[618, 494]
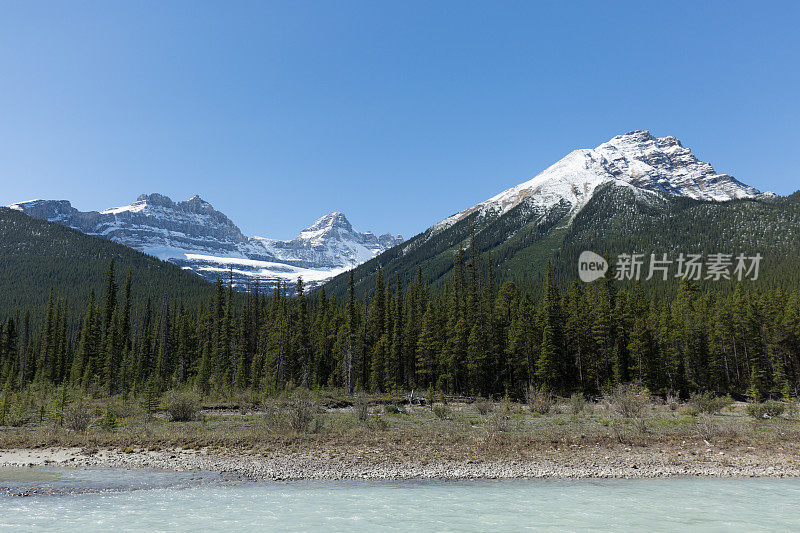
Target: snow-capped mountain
[635, 159]
[199, 238]
[612, 187]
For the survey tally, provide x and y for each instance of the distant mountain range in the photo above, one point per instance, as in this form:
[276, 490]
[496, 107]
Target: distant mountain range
[634, 193]
[198, 238]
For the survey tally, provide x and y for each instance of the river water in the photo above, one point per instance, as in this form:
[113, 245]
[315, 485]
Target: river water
[133, 500]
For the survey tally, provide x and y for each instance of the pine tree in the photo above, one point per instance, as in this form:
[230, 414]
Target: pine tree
[110, 300]
[303, 342]
[85, 361]
[427, 349]
[351, 333]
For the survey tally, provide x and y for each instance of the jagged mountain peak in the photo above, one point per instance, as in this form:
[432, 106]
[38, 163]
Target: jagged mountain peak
[664, 164]
[333, 220]
[161, 200]
[196, 203]
[155, 199]
[637, 159]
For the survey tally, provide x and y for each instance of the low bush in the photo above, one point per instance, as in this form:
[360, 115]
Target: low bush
[576, 403]
[181, 406]
[361, 407]
[708, 428]
[441, 411]
[499, 423]
[392, 409]
[691, 410]
[379, 423]
[109, 420]
[629, 400]
[483, 405]
[77, 417]
[672, 401]
[302, 411]
[768, 409]
[709, 403]
[540, 400]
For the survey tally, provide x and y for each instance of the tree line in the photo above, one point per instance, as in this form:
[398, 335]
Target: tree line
[472, 337]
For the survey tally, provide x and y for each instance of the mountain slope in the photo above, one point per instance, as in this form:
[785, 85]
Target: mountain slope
[36, 255]
[534, 222]
[195, 236]
[636, 158]
[615, 222]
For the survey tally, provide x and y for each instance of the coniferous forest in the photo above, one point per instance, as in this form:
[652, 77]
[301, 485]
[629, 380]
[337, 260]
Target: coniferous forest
[470, 338]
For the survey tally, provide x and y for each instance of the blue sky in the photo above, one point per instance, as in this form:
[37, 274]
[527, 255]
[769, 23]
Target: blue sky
[397, 114]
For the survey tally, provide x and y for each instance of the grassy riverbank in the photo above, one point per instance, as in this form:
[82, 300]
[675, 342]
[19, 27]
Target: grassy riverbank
[628, 434]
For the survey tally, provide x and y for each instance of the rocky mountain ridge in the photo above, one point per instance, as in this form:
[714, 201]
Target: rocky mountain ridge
[199, 238]
[635, 159]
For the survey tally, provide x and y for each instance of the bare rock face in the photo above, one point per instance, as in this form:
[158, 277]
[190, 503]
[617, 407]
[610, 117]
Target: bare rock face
[663, 164]
[199, 238]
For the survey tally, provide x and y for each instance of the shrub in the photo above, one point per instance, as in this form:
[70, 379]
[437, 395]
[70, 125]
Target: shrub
[540, 400]
[5, 404]
[392, 409]
[271, 417]
[483, 405]
[430, 397]
[691, 411]
[768, 409]
[380, 423]
[301, 413]
[182, 406]
[629, 400]
[361, 407]
[18, 415]
[709, 403]
[13, 411]
[576, 403]
[77, 417]
[441, 411]
[499, 423]
[709, 428]
[791, 409]
[245, 403]
[672, 402]
[109, 420]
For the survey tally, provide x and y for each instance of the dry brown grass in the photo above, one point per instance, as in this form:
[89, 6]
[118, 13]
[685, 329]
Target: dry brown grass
[301, 424]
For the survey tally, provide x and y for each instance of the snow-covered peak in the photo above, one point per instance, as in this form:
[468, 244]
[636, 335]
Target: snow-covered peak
[331, 221]
[663, 164]
[197, 237]
[196, 204]
[635, 159]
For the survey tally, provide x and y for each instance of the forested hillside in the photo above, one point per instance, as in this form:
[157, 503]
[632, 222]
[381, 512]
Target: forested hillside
[36, 256]
[616, 220]
[471, 337]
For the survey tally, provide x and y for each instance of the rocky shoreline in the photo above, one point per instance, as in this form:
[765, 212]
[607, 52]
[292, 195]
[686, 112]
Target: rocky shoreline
[565, 464]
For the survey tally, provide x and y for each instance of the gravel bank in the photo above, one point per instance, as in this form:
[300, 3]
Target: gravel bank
[565, 463]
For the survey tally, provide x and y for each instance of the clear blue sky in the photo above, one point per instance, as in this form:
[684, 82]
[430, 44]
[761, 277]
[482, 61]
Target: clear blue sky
[397, 114]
